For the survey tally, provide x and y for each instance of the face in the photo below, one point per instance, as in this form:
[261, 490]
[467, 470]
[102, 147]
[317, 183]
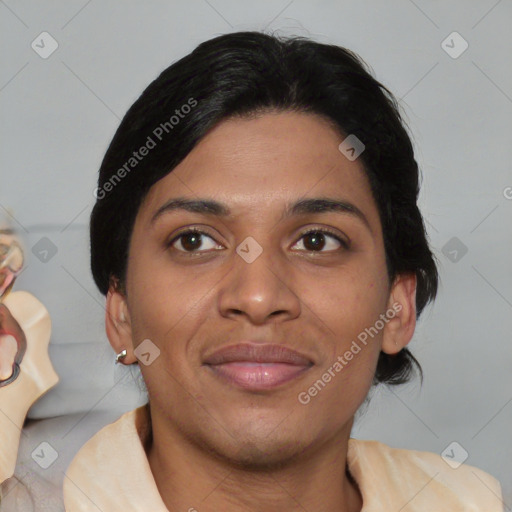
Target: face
[252, 275]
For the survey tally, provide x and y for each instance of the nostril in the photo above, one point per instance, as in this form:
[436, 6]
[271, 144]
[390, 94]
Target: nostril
[8, 350]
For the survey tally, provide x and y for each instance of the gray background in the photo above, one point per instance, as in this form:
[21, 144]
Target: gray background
[60, 113]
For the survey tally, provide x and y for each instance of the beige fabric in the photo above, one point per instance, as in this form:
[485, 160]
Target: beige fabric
[36, 376]
[111, 473]
[392, 479]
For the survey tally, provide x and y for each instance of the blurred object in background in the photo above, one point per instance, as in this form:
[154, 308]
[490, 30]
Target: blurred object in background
[11, 256]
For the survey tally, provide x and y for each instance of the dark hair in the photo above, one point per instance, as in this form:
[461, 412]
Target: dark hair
[247, 73]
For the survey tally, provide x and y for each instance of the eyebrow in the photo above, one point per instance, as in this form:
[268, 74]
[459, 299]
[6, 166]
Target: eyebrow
[301, 207]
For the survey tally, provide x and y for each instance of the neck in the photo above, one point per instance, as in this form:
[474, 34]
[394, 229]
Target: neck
[189, 477]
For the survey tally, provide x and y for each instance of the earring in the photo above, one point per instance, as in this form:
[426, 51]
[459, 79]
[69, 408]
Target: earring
[121, 355]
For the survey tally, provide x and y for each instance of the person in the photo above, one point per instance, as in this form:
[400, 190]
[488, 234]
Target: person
[257, 237]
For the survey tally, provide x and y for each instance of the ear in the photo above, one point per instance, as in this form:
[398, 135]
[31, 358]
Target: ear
[399, 330]
[118, 323]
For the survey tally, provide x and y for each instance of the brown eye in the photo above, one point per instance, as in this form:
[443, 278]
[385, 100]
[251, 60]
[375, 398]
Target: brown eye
[315, 240]
[191, 241]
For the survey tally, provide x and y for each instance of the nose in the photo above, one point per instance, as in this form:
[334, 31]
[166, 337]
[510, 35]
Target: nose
[262, 290]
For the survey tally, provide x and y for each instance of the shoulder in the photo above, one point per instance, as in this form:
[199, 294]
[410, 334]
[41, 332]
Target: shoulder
[417, 481]
[111, 471]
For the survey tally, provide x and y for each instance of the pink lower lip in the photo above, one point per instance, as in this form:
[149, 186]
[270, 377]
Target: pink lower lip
[250, 375]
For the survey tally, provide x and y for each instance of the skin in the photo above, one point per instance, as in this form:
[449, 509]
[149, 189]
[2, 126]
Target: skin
[10, 331]
[10, 336]
[216, 446]
[8, 350]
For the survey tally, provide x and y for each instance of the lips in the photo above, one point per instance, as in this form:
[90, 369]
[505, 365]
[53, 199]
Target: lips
[256, 366]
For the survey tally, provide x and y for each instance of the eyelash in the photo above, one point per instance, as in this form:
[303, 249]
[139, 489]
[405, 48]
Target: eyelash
[326, 231]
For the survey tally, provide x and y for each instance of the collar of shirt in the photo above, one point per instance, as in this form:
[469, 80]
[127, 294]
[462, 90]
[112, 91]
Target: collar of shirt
[105, 475]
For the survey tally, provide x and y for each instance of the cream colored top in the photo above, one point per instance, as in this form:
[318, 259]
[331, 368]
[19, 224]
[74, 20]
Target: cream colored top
[35, 378]
[111, 473]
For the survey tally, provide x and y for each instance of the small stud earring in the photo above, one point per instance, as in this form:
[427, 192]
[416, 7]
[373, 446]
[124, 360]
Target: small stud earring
[121, 355]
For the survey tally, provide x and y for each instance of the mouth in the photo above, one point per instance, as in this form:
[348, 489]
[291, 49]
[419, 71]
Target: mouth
[257, 367]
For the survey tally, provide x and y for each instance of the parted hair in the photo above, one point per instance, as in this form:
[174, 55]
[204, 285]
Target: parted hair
[245, 74]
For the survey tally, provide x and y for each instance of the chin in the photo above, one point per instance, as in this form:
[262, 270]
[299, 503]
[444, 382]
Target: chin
[260, 446]
[263, 454]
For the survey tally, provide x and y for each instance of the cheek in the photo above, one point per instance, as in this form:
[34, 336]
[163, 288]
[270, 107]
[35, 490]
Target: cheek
[158, 298]
[169, 308]
[339, 389]
[349, 309]
[348, 304]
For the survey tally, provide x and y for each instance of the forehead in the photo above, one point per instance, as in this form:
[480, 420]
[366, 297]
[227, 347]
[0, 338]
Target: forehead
[265, 162]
